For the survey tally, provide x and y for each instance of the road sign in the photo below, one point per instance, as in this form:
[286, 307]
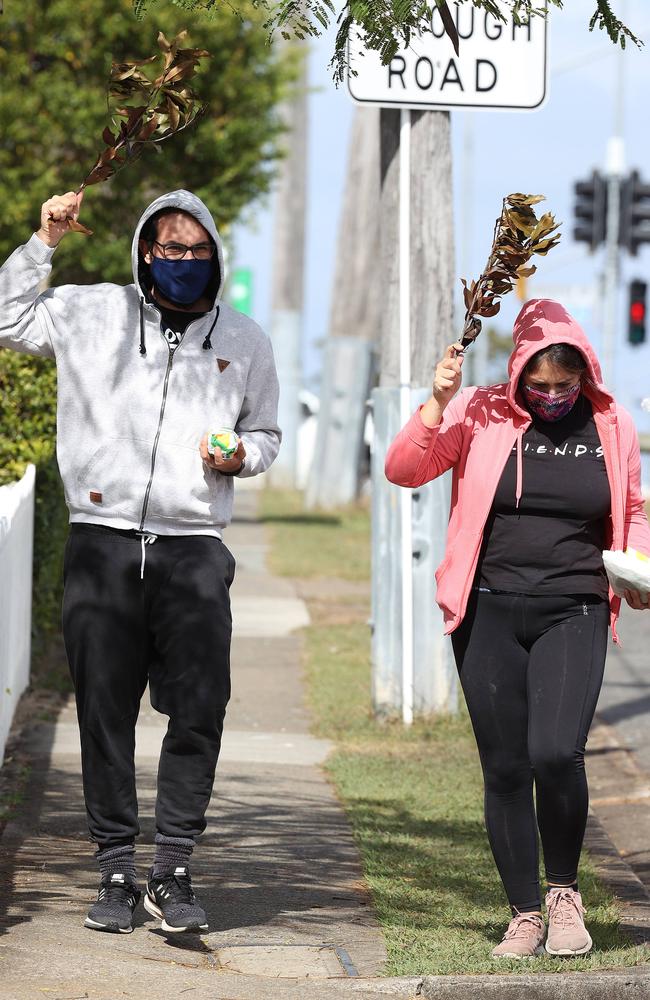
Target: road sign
[501, 66]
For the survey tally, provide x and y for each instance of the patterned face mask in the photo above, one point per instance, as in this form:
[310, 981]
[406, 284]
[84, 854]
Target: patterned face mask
[551, 407]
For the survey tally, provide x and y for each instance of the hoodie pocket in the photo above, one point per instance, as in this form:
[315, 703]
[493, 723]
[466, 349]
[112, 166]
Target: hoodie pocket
[183, 489]
[110, 482]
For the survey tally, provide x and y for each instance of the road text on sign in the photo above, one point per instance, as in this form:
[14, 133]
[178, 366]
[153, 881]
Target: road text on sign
[501, 66]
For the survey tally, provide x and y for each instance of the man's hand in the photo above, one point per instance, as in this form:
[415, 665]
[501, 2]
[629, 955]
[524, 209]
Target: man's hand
[55, 214]
[220, 464]
[635, 600]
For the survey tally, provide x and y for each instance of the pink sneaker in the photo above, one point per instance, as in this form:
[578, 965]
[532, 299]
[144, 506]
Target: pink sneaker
[567, 934]
[523, 939]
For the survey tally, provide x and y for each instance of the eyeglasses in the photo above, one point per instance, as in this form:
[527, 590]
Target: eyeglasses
[176, 251]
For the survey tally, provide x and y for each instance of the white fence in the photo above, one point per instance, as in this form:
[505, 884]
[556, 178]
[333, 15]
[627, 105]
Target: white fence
[16, 545]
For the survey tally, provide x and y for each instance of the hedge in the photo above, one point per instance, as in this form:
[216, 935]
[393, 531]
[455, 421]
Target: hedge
[28, 434]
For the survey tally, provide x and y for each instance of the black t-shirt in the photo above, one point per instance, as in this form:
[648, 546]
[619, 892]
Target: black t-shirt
[174, 323]
[553, 542]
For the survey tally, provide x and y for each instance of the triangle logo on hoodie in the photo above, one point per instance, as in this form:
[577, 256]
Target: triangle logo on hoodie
[222, 364]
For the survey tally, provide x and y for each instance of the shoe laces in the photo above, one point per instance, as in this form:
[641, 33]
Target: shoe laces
[110, 891]
[564, 907]
[517, 928]
[177, 887]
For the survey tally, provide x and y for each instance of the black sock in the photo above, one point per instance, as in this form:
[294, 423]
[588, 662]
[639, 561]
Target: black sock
[171, 853]
[526, 909]
[118, 860]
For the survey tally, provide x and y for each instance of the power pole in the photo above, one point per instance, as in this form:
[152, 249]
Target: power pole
[288, 273]
[353, 326]
[433, 272]
[428, 683]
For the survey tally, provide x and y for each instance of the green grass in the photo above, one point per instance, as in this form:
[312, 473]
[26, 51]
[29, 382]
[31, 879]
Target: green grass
[329, 544]
[414, 799]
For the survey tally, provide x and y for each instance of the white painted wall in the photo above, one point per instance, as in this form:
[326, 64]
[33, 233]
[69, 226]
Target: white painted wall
[16, 546]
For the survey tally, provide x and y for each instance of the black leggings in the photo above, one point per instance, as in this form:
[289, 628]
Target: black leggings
[531, 669]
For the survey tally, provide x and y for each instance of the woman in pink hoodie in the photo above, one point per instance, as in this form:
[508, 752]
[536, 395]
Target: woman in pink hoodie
[546, 474]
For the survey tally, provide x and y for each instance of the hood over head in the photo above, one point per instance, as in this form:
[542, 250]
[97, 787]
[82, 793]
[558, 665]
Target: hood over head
[540, 323]
[183, 201]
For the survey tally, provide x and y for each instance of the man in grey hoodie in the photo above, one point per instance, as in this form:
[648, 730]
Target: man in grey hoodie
[144, 372]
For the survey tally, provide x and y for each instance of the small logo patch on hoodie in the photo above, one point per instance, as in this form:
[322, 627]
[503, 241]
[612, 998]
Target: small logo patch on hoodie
[222, 364]
[95, 496]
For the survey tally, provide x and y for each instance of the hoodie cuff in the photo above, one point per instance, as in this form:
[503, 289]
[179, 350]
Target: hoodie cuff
[38, 251]
[418, 431]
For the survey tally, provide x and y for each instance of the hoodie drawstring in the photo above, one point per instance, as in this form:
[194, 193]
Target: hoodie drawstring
[207, 343]
[143, 349]
[520, 467]
[145, 539]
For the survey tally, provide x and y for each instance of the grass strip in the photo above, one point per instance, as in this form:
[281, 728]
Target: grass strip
[414, 796]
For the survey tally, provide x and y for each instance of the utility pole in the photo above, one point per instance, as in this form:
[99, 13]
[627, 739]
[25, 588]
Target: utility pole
[288, 272]
[615, 168]
[348, 357]
[412, 673]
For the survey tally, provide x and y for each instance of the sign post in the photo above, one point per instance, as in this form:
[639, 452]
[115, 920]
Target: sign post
[405, 406]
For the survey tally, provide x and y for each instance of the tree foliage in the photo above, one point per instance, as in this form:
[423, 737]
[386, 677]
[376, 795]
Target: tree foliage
[28, 434]
[388, 25]
[55, 63]
[518, 234]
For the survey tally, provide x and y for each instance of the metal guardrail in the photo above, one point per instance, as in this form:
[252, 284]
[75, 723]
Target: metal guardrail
[16, 548]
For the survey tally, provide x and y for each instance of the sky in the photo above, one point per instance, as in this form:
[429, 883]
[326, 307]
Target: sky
[544, 151]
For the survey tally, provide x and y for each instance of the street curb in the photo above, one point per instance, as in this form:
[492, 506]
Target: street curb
[634, 983]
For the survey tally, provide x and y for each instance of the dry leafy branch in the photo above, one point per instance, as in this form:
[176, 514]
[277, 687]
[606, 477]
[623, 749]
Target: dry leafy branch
[518, 234]
[146, 111]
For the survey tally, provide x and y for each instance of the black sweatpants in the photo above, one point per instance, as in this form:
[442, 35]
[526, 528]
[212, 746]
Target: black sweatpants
[531, 669]
[171, 629]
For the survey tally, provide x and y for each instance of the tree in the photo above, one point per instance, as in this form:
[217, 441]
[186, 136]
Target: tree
[387, 25]
[55, 60]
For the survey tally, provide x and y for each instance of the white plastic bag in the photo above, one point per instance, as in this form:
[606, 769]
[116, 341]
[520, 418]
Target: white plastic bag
[629, 570]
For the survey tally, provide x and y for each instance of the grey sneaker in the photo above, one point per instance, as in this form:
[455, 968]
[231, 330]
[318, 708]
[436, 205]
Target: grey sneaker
[567, 934]
[524, 937]
[170, 897]
[116, 901]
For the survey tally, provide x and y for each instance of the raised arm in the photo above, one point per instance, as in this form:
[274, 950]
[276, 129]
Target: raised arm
[24, 322]
[430, 443]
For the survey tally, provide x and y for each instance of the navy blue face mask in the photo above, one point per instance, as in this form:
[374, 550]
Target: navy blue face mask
[181, 281]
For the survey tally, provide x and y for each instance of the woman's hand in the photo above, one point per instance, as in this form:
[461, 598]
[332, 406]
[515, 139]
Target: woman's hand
[635, 600]
[446, 383]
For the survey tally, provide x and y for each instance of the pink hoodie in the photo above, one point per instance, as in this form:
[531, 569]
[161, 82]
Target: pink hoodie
[475, 437]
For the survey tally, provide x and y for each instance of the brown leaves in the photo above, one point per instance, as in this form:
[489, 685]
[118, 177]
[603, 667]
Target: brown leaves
[145, 110]
[518, 234]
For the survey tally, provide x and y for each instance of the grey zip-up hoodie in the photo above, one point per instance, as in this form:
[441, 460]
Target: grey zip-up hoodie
[129, 423]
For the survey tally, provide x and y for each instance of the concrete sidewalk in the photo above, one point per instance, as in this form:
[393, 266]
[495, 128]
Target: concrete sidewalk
[277, 869]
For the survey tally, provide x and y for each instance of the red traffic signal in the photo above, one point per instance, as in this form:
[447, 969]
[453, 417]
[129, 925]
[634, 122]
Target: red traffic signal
[637, 312]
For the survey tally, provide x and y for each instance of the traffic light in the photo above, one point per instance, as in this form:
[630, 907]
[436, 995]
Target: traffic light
[636, 313]
[591, 211]
[635, 213]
